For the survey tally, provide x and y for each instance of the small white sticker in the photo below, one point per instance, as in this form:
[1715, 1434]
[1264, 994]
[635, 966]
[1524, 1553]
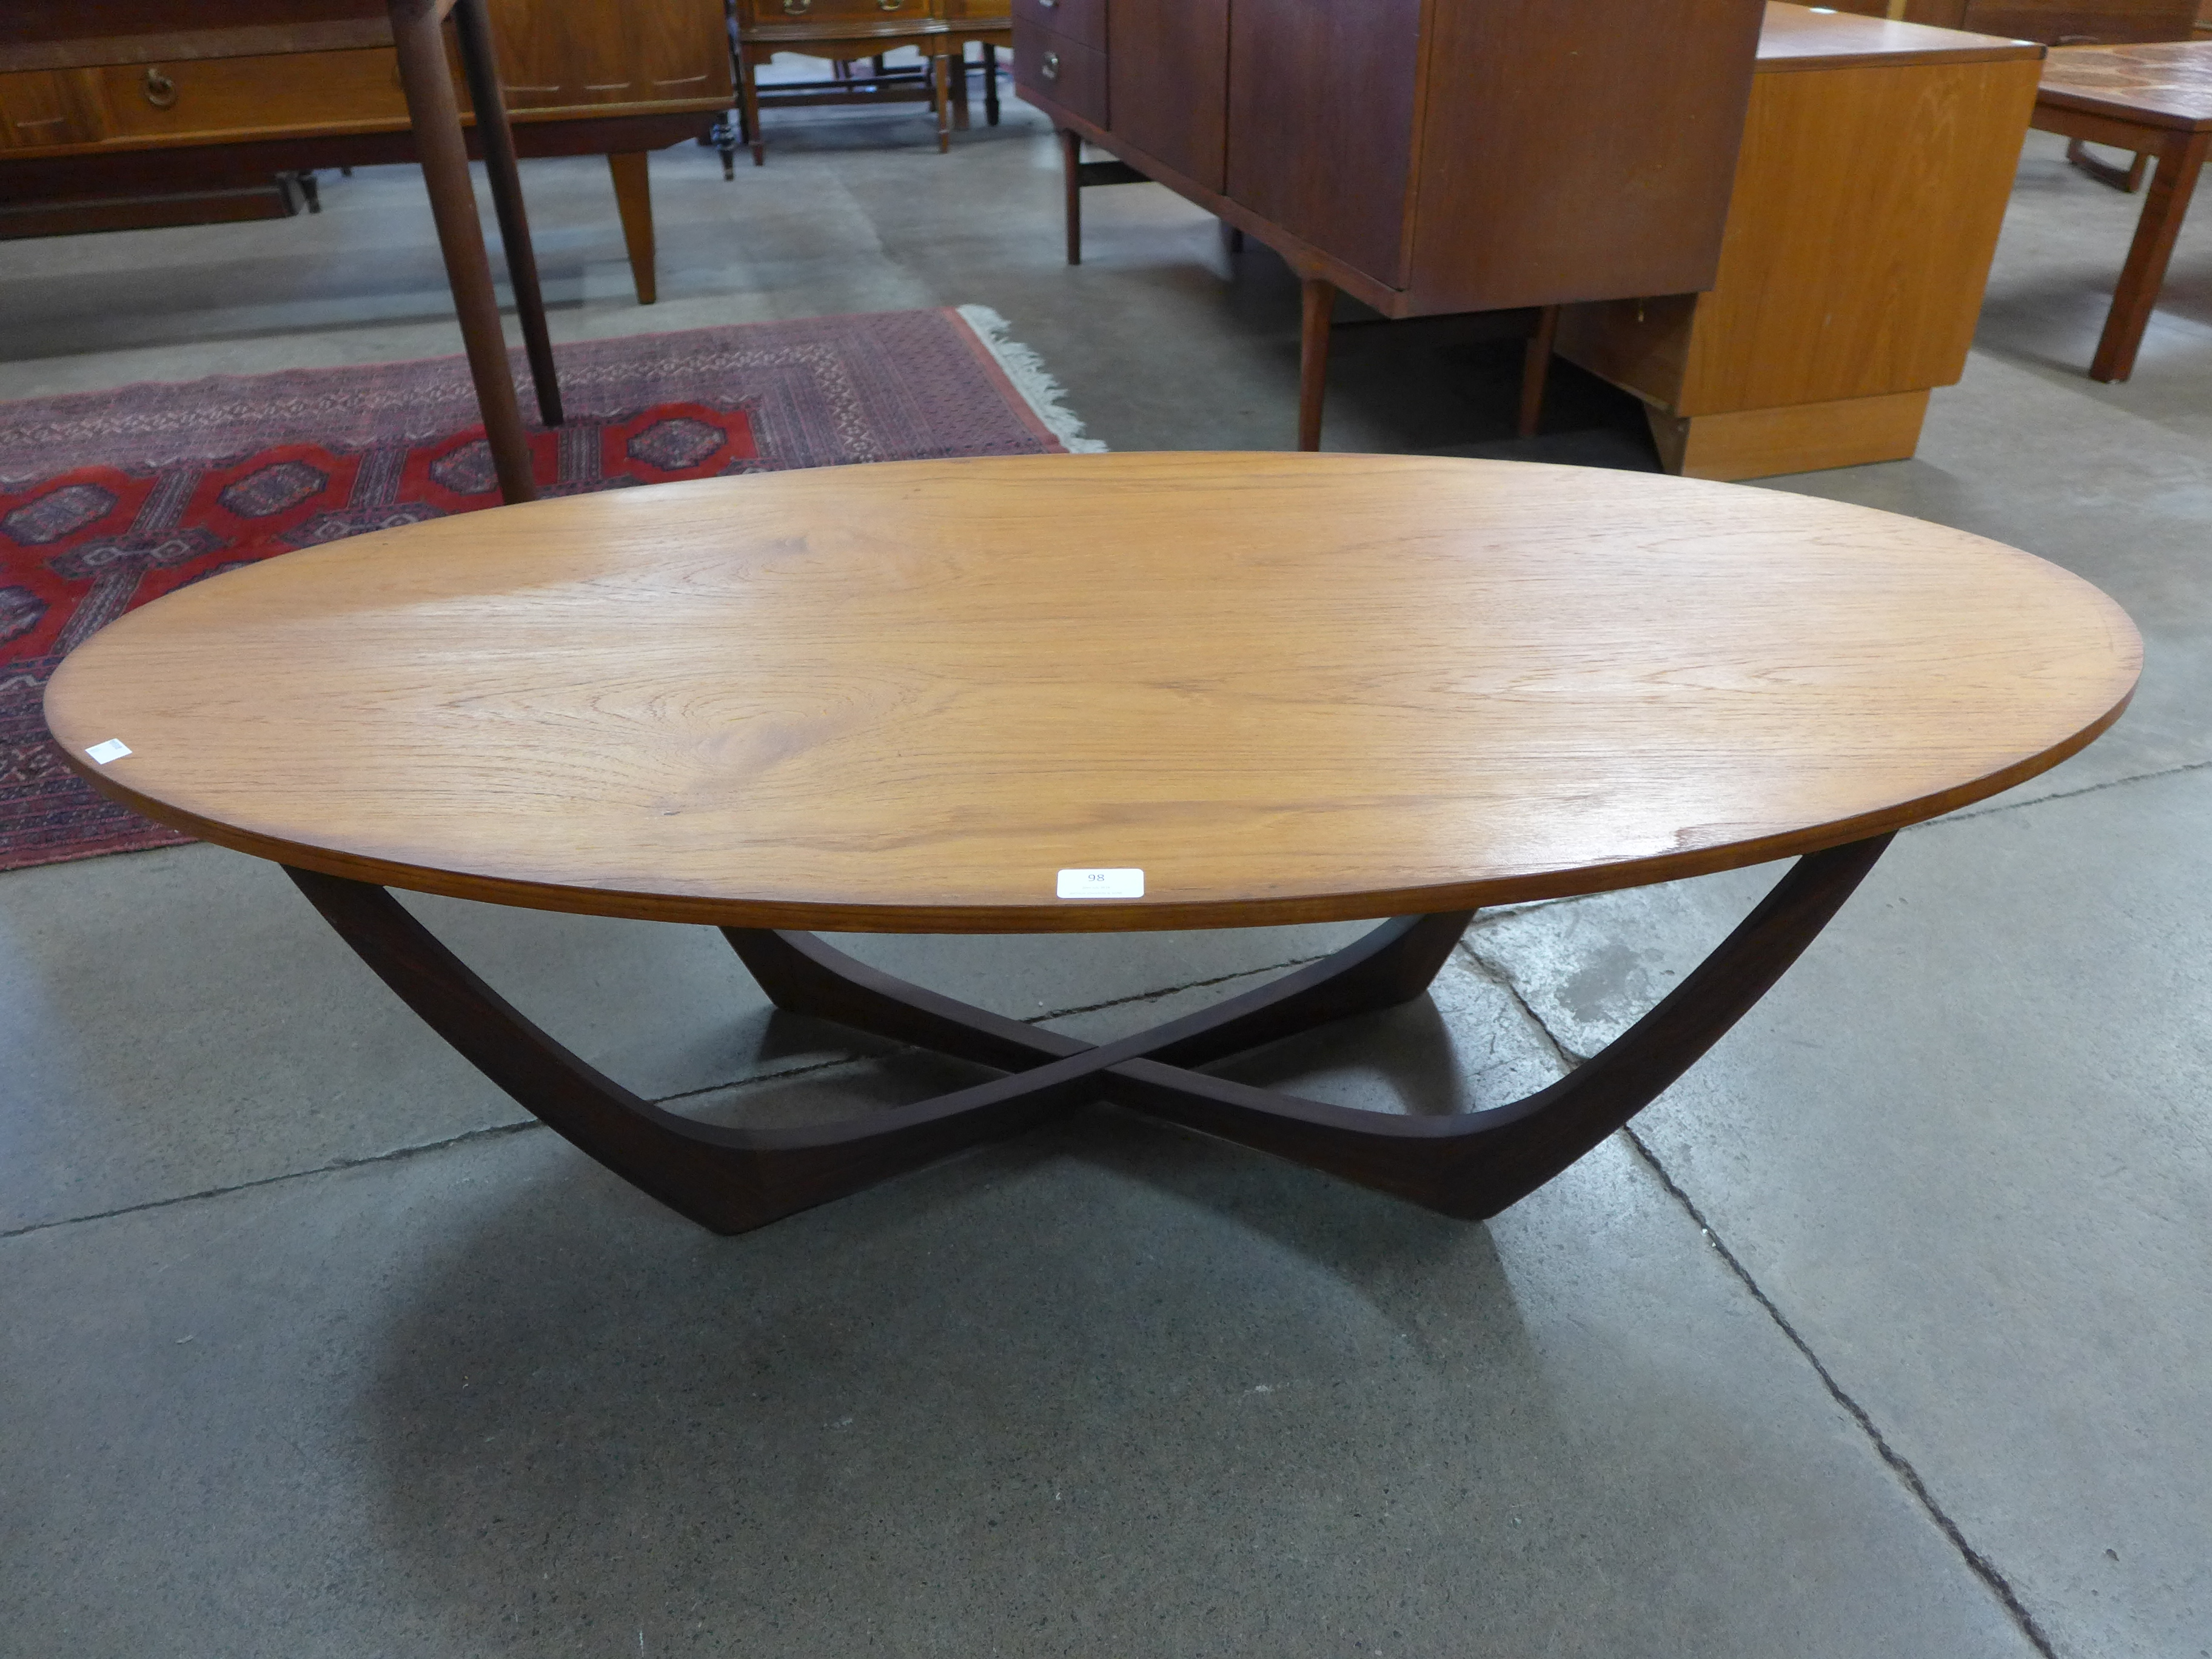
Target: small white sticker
[113, 750]
[1101, 883]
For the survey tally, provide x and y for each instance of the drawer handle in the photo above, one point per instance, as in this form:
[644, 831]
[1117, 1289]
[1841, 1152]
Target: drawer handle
[161, 91]
[797, 7]
[1050, 5]
[890, 5]
[1048, 66]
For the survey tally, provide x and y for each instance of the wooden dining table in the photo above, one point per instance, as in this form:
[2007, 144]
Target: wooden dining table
[1254, 689]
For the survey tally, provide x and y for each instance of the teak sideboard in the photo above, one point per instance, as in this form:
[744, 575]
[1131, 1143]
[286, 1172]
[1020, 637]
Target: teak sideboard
[1878, 158]
[1424, 157]
[117, 99]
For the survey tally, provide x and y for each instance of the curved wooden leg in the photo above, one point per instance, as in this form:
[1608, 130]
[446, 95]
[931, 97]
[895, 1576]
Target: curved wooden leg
[1391, 964]
[1469, 1164]
[729, 1181]
[1474, 1163]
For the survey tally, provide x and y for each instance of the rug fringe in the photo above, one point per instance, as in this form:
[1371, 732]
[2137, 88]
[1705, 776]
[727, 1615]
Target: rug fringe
[1039, 389]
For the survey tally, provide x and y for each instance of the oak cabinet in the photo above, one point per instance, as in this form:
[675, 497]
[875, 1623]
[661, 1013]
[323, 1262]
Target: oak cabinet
[1877, 163]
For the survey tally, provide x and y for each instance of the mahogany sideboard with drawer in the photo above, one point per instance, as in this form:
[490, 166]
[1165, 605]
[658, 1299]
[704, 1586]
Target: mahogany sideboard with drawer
[1424, 157]
[96, 104]
[1877, 162]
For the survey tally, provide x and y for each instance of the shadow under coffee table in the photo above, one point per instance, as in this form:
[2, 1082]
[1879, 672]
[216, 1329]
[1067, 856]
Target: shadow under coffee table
[1074, 694]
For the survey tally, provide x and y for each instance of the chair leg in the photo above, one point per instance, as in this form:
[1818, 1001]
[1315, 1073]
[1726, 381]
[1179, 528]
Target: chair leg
[426, 78]
[1071, 155]
[990, 84]
[956, 65]
[940, 68]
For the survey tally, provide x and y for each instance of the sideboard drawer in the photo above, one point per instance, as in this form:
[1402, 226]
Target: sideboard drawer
[1061, 71]
[291, 92]
[42, 107]
[918, 12]
[1083, 22]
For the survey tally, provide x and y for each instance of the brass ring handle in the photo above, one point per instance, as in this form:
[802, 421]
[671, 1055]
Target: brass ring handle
[1048, 66]
[161, 91]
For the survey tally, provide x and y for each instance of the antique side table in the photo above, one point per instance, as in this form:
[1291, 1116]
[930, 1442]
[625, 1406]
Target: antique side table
[1066, 694]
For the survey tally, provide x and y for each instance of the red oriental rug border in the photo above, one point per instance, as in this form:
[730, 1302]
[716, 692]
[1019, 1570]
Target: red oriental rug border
[108, 500]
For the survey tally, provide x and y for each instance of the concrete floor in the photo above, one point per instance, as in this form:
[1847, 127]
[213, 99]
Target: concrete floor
[1888, 1331]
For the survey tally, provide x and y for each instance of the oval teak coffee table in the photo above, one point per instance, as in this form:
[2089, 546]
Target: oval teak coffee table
[1219, 690]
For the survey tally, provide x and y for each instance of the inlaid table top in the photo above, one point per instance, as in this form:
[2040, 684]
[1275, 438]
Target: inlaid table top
[905, 697]
[2167, 84]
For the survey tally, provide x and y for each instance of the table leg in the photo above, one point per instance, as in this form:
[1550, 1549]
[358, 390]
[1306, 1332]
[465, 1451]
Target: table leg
[2180, 159]
[633, 201]
[1317, 302]
[941, 81]
[749, 103]
[480, 65]
[428, 83]
[1469, 1164]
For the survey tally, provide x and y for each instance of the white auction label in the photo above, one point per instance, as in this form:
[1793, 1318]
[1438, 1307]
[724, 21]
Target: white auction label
[1101, 883]
[113, 750]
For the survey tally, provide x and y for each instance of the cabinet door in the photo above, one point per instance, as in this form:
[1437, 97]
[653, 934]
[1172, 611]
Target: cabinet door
[1321, 122]
[1171, 78]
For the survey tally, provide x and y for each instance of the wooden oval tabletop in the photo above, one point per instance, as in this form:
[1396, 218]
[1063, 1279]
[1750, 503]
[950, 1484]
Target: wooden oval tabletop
[904, 697]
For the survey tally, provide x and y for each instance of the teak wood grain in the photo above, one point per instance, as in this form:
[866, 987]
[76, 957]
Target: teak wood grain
[901, 697]
[1172, 97]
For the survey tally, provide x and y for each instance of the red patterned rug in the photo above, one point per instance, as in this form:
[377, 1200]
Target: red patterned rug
[110, 498]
